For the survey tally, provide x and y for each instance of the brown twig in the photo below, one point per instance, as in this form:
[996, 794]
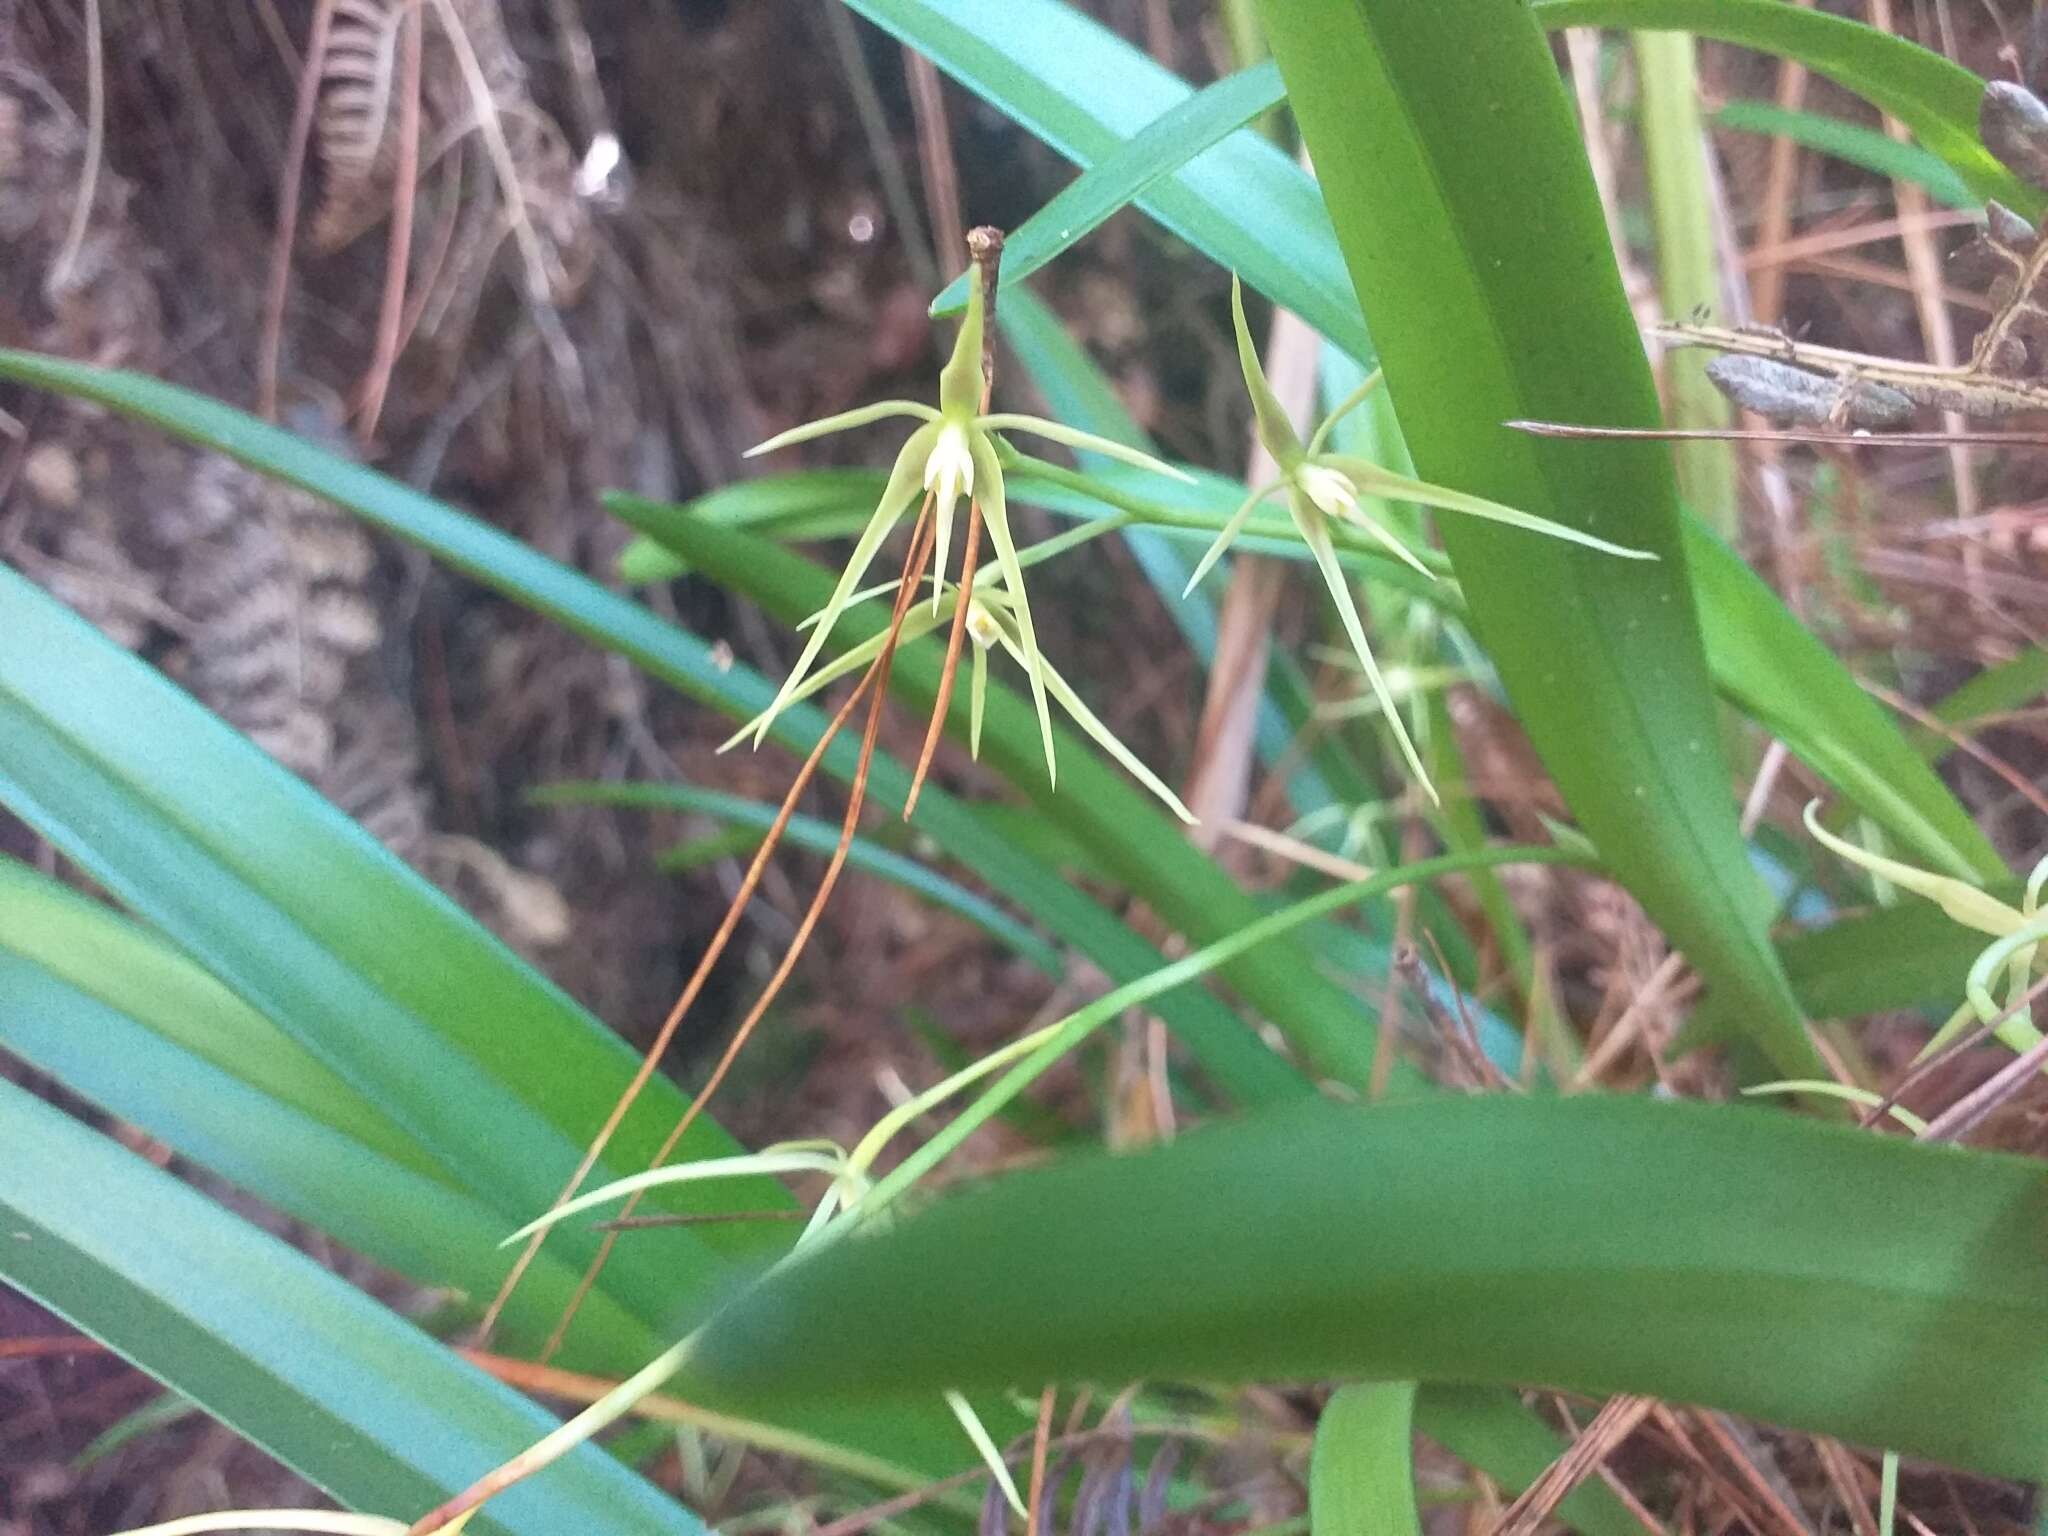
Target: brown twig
[935, 152]
[398, 249]
[1041, 1437]
[1977, 1106]
[279, 284]
[970, 559]
[1611, 1425]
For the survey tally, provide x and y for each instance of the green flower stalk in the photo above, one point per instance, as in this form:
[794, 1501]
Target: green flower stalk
[1321, 486]
[950, 455]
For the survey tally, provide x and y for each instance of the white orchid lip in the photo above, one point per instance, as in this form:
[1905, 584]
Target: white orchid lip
[951, 465]
[982, 628]
[1332, 491]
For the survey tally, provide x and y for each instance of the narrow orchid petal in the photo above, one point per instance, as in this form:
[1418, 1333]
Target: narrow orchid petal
[1375, 481]
[977, 697]
[1231, 529]
[2016, 1031]
[1345, 407]
[748, 1165]
[1957, 1024]
[1963, 902]
[859, 416]
[984, 1445]
[915, 627]
[1276, 429]
[2021, 971]
[1103, 737]
[864, 595]
[1315, 533]
[995, 515]
[322, 1521]
[1388, 537]
[2036, 879]
[1086, 442]
[897, 496]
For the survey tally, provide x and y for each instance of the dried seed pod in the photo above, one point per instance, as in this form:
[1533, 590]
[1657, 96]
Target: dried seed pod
[1787, 393]
[2014, 124]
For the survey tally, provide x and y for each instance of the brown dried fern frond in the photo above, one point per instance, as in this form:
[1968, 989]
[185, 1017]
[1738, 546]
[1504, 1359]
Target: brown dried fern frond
[356, 118]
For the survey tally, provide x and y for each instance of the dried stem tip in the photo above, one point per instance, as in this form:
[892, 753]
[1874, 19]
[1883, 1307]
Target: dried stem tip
[985, 251]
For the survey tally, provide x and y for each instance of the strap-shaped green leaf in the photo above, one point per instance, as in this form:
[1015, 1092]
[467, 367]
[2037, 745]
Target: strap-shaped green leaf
[1809, 1275]
[1361, 1472]
[342, 1390]
[1476, 239]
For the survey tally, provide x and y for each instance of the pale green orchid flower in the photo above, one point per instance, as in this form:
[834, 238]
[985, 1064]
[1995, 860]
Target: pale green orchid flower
[950, 455]
[2018, 932]
[1321, 486]
[991, 624]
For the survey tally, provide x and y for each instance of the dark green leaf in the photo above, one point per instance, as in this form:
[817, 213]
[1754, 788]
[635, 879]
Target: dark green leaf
[1161, 147]
[123, 1020]
[1477, 239]
[488, 1067]
[1808, 1275]
[1085, 91]
[1853, 142]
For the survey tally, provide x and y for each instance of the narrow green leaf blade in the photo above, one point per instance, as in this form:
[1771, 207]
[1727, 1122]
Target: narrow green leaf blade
[1934, 97]
[1361, 1471]
[1775, 669]
[1085, 91]
[1854, 143]
[808, 504]
[486, 1065]
[140, 1031]
[1478, 323]
[1809, 1275]
[1161, 147]
[348, 1394]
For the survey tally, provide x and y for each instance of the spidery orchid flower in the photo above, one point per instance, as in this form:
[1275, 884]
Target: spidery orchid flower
[2018, 933]
[991, 626]
[1321, 486]
[950, 455]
